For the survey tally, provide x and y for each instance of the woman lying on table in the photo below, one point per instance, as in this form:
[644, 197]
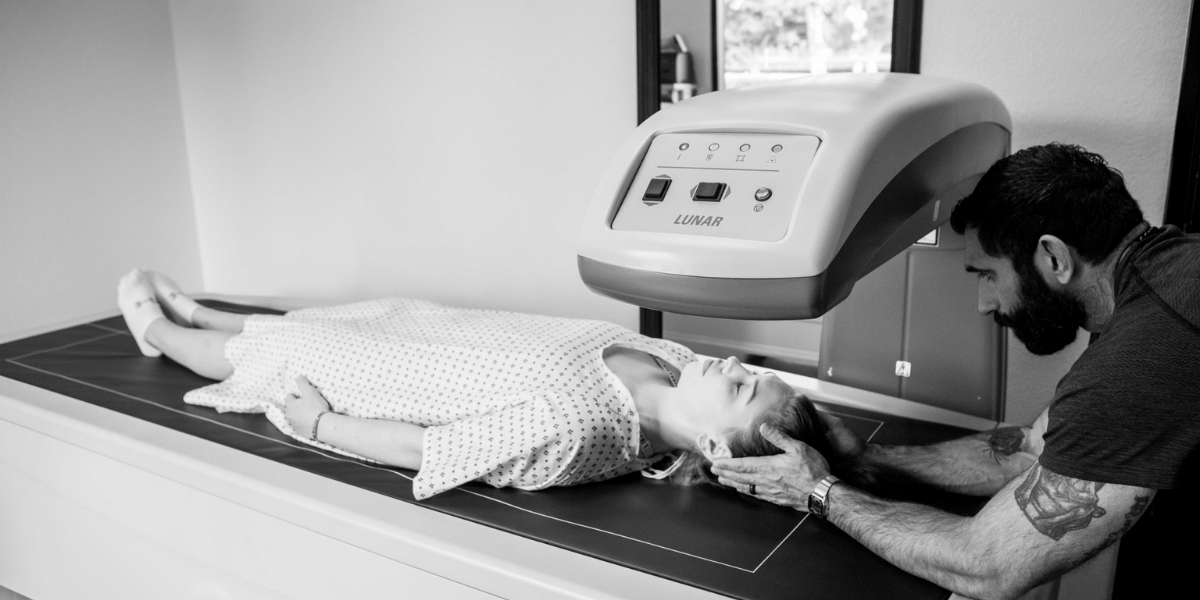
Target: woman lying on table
[510, 399]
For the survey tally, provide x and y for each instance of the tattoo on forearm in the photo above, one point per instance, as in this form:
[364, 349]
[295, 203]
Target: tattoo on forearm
[1055, 504]
[1005, 442]
[1140, 503]
[1139, 506]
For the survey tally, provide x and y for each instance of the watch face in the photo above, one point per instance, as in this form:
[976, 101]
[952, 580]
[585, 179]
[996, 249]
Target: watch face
[817, 500]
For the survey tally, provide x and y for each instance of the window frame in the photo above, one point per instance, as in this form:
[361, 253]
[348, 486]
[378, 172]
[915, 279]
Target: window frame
[1183, 184]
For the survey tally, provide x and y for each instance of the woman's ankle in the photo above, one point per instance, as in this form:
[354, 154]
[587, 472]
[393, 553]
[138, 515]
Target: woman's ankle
[211, 318]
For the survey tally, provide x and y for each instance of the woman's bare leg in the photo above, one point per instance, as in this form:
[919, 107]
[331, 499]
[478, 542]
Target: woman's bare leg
[211, 318]
[200, 350]
[177, 305]
[183, 310]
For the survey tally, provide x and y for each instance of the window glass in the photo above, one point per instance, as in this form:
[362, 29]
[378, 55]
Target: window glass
[768, 40]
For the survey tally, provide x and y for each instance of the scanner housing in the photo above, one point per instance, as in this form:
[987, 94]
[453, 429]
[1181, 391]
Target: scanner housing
[770, 202]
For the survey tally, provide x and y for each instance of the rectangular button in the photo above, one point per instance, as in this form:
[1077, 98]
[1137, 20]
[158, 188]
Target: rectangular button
[657, 189]
[709, 192]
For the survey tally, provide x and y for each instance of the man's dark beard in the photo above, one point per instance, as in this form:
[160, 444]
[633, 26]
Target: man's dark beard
[1046, 321]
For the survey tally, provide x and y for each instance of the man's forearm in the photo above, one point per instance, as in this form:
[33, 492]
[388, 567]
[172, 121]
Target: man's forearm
[924, 541]
[979, 464]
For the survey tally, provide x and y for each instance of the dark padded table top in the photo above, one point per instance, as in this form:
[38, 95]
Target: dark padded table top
[703, 536]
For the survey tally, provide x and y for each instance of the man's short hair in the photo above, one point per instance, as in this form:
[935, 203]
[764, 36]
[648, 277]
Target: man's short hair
[1057, 189]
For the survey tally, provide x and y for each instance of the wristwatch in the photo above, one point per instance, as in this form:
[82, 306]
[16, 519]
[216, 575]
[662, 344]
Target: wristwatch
[818, 500]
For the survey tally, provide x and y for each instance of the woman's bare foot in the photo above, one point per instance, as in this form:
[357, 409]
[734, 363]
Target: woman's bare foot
[178, 306]
[135, 297]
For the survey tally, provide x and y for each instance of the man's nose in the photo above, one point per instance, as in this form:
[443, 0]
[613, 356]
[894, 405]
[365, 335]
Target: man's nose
[988, 303]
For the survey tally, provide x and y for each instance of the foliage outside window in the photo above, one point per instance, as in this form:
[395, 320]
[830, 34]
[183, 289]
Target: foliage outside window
[768, 40]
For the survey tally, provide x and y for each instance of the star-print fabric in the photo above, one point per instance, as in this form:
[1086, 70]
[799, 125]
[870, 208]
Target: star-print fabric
[510, 399]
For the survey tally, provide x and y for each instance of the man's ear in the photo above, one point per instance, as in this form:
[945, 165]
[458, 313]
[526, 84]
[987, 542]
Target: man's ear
[1054, 259]
[712, 447]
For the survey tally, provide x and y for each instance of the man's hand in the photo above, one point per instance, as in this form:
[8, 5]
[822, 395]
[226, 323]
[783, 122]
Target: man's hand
[786, 479]
[301, 410]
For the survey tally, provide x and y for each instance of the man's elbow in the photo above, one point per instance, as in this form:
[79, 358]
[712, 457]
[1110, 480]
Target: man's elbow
[999, 585]
[990, 571]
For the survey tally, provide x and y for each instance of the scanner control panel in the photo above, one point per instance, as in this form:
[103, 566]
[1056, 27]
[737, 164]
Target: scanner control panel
[728, 185]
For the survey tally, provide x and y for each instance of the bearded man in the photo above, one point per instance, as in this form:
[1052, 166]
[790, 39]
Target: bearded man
[1058, 244]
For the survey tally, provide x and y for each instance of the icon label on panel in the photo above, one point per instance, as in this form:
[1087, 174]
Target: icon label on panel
[772, 159]
[903, 368]
[930, 239]
[758, 208]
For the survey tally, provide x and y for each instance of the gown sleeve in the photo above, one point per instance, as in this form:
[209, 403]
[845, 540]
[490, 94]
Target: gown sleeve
[524, 445]
[544, 441]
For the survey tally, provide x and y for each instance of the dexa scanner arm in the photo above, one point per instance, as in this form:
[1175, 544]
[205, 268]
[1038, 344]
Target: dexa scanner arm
[771, 202]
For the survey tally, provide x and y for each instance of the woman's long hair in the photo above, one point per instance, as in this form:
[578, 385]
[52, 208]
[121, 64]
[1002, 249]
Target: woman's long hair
[797, 419]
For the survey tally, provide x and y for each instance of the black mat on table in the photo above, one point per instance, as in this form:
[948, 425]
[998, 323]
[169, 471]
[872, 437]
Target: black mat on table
[703, 536]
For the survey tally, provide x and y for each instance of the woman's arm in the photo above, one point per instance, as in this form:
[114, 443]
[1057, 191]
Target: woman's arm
[393, 443]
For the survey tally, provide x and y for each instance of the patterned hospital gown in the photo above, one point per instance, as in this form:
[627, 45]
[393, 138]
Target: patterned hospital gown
[511, 399]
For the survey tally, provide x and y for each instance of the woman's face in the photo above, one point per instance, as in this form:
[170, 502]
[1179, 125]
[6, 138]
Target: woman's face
[723, 396]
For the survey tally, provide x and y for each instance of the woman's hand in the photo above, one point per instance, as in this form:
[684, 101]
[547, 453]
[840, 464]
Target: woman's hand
[301, 410]
[786, 479]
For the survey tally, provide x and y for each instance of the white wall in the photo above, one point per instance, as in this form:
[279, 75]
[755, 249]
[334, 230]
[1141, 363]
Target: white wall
[1104, 74]
[93, 174]
[442, 150]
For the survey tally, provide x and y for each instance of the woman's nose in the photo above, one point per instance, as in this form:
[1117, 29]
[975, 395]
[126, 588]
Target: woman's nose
[733, 366]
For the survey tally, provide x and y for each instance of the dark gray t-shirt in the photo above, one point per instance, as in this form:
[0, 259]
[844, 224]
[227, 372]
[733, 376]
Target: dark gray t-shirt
[1128, 412]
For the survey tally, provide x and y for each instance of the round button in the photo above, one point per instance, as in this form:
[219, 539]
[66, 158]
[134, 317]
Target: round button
[763, 194]
[745, 147]
[776, 147]
[713, 146]
[684, 146]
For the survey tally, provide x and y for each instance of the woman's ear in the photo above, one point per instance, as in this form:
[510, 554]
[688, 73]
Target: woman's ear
[712, 448]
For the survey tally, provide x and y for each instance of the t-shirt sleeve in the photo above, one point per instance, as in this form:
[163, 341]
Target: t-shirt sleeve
[1128, 412]
[523, 445]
